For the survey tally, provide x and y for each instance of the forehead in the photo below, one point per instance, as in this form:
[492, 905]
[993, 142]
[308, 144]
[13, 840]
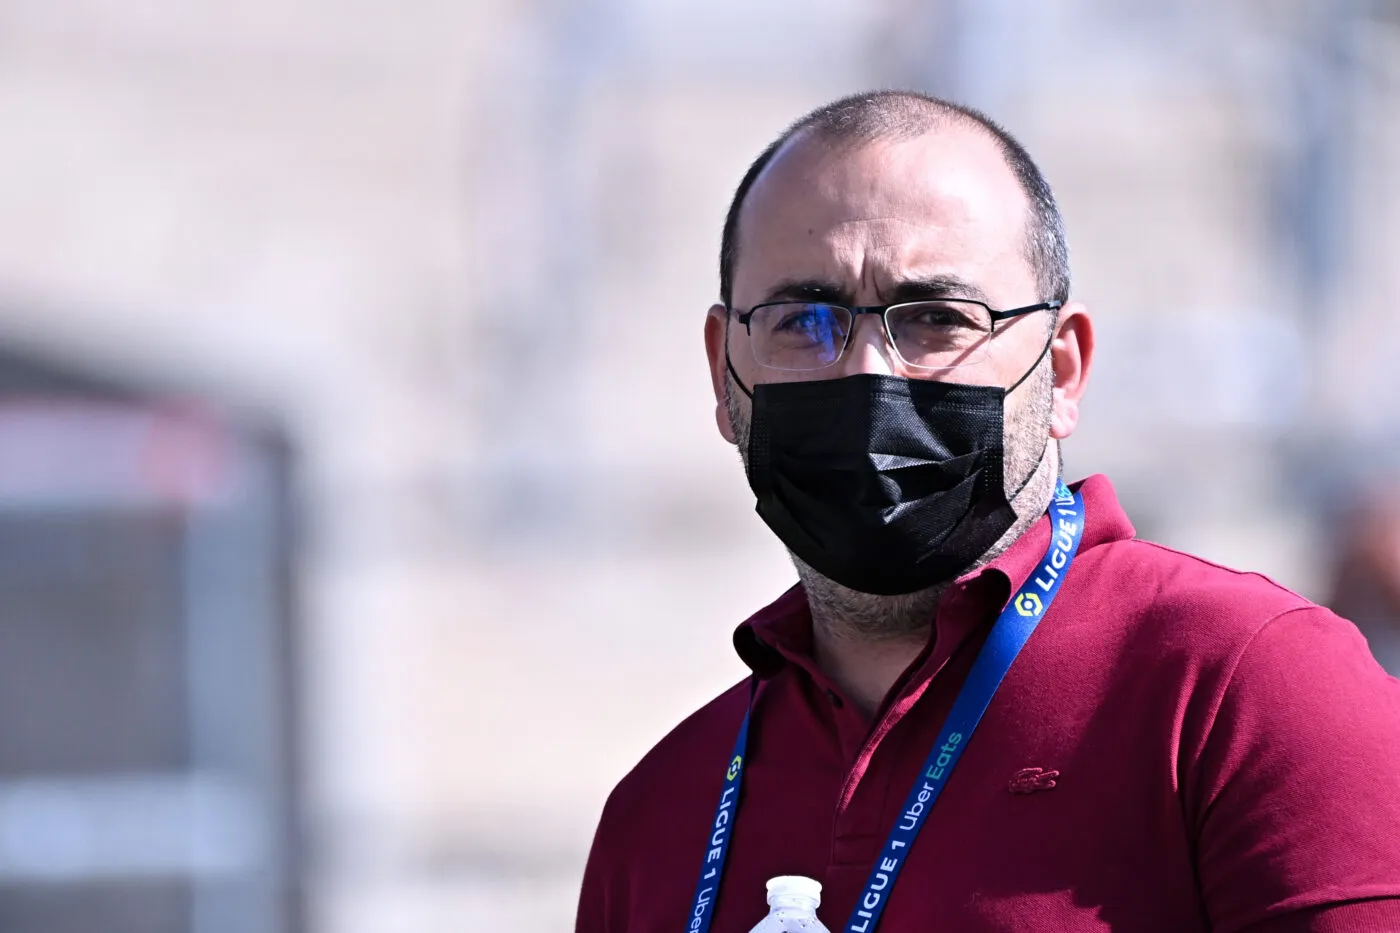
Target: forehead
[869, 215]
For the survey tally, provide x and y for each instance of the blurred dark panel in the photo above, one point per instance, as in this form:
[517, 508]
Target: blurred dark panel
[148, 749]
[149, 907]
[92, 649]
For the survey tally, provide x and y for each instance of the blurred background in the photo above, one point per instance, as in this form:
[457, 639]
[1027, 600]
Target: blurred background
[362, 514]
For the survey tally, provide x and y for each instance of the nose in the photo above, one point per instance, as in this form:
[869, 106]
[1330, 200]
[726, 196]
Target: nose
[869, 350]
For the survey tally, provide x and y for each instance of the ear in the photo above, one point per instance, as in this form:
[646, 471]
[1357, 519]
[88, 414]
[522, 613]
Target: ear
[716, 332]
[1071, 353]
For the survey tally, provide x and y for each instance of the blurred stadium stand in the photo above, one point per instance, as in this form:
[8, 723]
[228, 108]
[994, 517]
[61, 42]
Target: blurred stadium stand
[147, 722]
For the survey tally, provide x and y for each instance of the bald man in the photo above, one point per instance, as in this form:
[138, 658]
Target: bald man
[987, 706]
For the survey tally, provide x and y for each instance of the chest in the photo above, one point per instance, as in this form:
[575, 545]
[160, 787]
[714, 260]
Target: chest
[1062, 814]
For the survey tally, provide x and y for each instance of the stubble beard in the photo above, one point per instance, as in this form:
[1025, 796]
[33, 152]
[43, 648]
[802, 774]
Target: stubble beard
[1031, 465]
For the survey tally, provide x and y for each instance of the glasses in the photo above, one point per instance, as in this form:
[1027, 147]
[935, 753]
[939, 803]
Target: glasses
[802, 336]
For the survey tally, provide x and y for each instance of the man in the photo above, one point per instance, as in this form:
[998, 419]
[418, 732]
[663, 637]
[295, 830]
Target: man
[1174, 746]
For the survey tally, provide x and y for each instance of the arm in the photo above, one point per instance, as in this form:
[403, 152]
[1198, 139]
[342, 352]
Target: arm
[592, 916]
[598, 901]
[1296, 792]
[1350, 917]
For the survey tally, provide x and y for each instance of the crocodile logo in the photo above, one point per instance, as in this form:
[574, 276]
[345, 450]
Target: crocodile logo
[1030, 780]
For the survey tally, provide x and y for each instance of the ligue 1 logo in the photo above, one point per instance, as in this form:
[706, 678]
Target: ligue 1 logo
[734, 768]
[1029, 604]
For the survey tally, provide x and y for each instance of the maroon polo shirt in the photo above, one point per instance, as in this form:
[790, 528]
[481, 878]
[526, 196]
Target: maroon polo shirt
[1178, 747]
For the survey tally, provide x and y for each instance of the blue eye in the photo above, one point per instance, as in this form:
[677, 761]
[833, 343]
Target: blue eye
[814, 320]
[799, 335]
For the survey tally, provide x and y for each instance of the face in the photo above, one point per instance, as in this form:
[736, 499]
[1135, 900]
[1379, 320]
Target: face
[940, 215]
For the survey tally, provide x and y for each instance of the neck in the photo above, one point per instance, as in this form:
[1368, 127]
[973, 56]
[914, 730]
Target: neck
[865, 668]
[865, 642]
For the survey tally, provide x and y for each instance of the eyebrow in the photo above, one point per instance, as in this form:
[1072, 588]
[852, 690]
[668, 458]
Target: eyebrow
[923, 288]
[936, 286]
[808, 290]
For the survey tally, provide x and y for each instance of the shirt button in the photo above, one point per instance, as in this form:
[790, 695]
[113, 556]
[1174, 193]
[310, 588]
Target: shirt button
[835, 700]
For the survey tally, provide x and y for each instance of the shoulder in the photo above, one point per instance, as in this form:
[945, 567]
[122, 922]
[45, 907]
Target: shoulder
[1310, 662]
[673, 789]
[1261, 674]
[684, 770]
[1185, 599]
[1222, 635]
[1187, 579]
[1290, 786]
[1281, 726]
[1186, 626]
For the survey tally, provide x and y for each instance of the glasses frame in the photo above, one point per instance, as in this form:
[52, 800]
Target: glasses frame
[745, 317]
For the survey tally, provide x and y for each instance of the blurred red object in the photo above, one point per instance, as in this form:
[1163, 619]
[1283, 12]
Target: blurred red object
[1366, 583]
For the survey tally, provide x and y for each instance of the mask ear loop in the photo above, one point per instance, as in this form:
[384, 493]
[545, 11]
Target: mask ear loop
[1015, 385]
[737, 381]
[729, 365]
[1040, 459]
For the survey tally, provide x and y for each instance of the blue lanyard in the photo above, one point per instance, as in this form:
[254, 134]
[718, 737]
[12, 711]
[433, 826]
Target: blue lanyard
[1009, 634]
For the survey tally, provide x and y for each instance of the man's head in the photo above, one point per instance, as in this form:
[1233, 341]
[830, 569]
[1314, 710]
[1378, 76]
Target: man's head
[888, 197]
[901, 115]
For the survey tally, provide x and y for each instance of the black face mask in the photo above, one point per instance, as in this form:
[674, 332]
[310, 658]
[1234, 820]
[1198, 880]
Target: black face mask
[883, 484]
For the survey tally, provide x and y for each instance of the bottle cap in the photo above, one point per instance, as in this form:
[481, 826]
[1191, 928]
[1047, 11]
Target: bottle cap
[794, 886]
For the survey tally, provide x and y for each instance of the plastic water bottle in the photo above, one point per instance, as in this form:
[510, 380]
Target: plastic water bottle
[792, 906]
